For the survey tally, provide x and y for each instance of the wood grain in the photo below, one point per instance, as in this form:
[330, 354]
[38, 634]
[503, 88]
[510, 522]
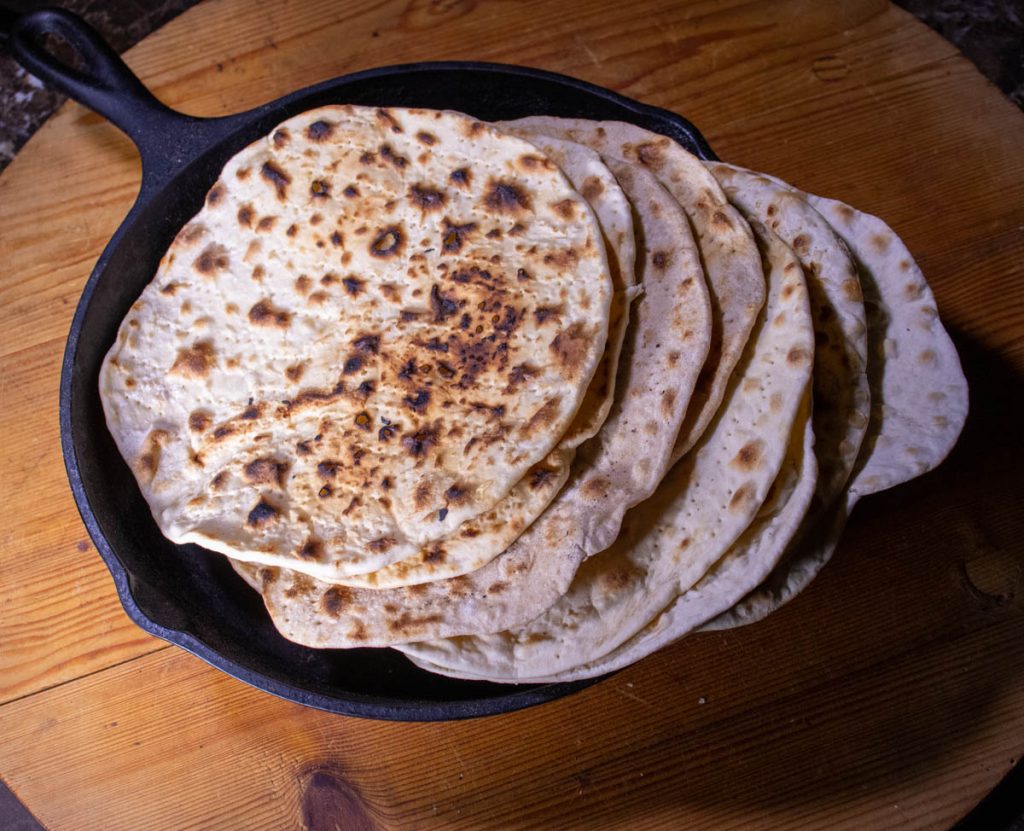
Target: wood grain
[889, 694]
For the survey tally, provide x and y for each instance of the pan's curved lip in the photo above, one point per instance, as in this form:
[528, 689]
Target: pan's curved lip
[365, 706]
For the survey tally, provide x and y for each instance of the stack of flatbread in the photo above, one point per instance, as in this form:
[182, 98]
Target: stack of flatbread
[526, 401]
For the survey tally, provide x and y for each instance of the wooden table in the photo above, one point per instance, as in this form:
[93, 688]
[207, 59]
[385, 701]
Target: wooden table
[890, 694]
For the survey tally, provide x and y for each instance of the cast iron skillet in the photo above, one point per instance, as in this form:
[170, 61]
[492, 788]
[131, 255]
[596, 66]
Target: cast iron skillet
[184, 594]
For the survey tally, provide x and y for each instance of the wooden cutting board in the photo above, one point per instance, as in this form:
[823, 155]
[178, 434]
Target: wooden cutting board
[889, 694]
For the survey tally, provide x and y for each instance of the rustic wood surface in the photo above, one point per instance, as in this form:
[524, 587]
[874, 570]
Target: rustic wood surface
[890, 694]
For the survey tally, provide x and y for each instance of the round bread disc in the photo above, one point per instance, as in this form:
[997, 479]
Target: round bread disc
[665, 346]
[377, 324]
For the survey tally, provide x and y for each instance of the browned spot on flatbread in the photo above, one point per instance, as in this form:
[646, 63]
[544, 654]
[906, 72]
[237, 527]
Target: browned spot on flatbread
[443, 305]
[913, 291]
[651, 154]
[419, 443]
[335, 599]
[214, 258]
[429, 139]
[721, 218]
[542, 314]
[800, 243]
[435, 554]
[295, 372]
[544, 416]
[668, 403]
[461, 177]
[387, 243]
[565, 208]
[880, 242]
[797, 356]
[199, 421]
[262, 514]
[426, 198]
[195, 361]
[215, 195]
[388, 119]
[276, 177]
[381, 544]
[303, 284]
[592, 188]
[455, 236]
[596, 488]
[506, 197]
[320, 131]
[749, 456]
[320, 189]
[266, 224]
[851, 289]
[245, 215]
[265, 313]
[311, 549]
[265, 472]
[661, 259]
[744, 494]
[927, 357]
[617, 579]
[570, 347]
[388, 154]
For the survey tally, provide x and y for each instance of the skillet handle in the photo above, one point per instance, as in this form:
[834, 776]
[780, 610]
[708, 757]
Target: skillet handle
[106, 85]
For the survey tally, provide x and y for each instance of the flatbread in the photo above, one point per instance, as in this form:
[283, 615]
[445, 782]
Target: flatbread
[479, 540]
[665, 347]
[842, 399]
[336, 419]
[919, 397]
[746, 563]
[698, 512]
[728, 252]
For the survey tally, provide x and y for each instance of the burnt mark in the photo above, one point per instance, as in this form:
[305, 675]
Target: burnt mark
[442, 305]
[196, 361]
[320, 189]
[319, 131]
[351, 191]
[461, 177]
[333, 602]
[262, 515]
[408, 369]
[265, 472]
[570, 347]
[199, 421]
[392, 158]
[506, 197]
[427, 199]
[419, 443]
[353, 363]
[276, 177]
[281, 137]
[295, 372]
[540, 475]
[522, 275]
[312, 549]
[266, 313]
[266, 224]
[328, 470]
[542, 314]
[457, 495]
[215, 195]
[565, 208]
[363, 421]
[353, 285]
[389, 120]
[381, 544]
[214, 258]
[385, 434]
[429, 139]
[419, 402]
[370, 344]
[455, 236]
[388, 243]
[660, 260]
[245, 215]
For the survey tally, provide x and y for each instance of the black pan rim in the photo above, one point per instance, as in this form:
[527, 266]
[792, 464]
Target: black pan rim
[364, 706]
